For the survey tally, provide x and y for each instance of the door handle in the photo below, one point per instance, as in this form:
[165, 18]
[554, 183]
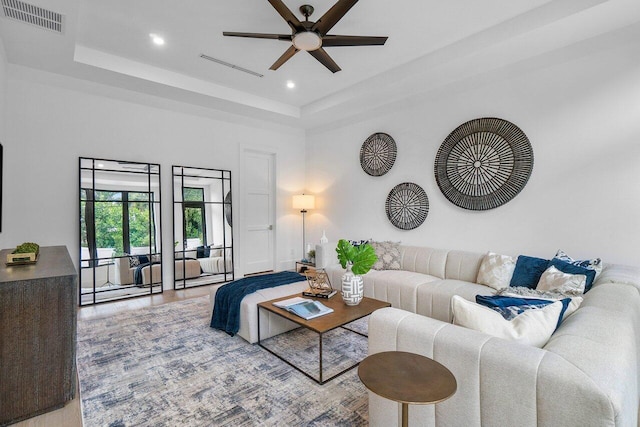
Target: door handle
[270, 227]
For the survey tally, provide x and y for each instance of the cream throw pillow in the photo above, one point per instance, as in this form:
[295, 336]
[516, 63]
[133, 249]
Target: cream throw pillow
[496, 270]
[533, 327]
[568, 284]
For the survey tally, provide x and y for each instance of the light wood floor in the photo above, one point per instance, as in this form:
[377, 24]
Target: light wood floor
[70, 415]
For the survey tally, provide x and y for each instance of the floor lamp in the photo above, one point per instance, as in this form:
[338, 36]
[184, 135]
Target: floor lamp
[304, 202]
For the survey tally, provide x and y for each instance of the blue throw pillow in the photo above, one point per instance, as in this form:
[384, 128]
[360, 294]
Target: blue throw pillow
[143, 259]
[510, 307]
[528, 271]
[203, 252]
[568, 268]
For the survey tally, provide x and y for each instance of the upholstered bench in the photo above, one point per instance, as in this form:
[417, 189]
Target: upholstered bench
[270, 324]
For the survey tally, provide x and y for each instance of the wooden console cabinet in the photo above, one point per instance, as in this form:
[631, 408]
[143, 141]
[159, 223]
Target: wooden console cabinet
[38, 315]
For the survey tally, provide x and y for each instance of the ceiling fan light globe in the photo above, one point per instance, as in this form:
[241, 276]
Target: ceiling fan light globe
[307, 40]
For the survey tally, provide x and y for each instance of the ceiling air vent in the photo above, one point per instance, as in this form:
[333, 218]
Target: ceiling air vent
[33, 15]
[226, 64]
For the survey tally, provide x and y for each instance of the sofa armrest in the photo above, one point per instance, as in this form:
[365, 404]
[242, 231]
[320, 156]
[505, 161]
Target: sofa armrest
[490, 373]
[123, 273]
[617, 273]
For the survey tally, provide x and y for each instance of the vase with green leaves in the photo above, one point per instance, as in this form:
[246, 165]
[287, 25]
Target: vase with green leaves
[357, 260]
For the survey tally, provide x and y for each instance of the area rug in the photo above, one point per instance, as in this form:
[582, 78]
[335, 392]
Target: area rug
[164, 366]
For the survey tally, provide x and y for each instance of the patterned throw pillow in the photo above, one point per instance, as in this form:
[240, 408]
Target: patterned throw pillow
[590, 264]
[568, 268]
[510, 307]
[554, 295]
[133, 261]
[496, 270]
[359, 242]
[388, 255]
[568, 284]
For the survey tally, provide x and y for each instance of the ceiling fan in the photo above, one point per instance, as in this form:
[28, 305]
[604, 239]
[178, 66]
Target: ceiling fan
[312, 36]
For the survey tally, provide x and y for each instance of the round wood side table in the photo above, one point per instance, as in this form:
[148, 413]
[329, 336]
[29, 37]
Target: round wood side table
[407, 378]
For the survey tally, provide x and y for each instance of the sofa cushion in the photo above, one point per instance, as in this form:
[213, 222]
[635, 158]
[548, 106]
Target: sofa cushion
[433, 299]
[533, 327]
[528, 271]
[463, 265]
[554, 279]
[388, 254]
[496, 270]
[397, 287]
[424, 260]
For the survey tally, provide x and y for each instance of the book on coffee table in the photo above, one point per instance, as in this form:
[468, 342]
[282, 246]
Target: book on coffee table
[317, 293]
[306, 308]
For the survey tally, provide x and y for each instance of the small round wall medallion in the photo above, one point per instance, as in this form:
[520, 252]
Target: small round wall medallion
[407, 206]
[483, 164]
[378, 154]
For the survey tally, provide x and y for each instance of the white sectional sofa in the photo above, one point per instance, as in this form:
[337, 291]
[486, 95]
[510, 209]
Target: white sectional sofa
[586, 375]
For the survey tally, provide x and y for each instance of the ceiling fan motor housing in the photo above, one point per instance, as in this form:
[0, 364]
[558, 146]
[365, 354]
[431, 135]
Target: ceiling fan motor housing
[306, 10]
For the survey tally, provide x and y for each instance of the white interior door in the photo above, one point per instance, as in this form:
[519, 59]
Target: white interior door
[259, 188]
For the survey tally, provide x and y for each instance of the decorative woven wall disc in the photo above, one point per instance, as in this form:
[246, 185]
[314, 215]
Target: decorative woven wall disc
[483, 164]
[377, 154]
[227, 208]
[407, 206]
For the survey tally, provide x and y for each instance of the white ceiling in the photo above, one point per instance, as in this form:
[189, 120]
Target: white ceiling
[432, 44]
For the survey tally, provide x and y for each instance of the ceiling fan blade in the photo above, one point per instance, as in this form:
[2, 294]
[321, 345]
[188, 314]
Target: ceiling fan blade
[288, 16]
[286, 37]
[324, 58]
[284, 58]
[333, 15]
[353, 40]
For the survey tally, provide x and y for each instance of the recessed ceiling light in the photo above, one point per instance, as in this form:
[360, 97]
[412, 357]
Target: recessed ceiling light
[291, 84]
[100, 165]
[157, 39]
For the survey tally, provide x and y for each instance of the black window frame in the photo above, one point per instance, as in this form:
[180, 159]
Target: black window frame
[198, 205]
[89, 217]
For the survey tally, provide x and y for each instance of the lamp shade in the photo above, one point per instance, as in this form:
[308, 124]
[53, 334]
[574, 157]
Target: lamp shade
[304, 201]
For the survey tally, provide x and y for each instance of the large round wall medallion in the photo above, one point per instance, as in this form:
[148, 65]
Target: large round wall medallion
[407, 206]
[377, 154]
[483, 164]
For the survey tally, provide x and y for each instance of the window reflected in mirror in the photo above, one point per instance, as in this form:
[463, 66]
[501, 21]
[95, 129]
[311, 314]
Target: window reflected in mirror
[120, 243]
[202, 226]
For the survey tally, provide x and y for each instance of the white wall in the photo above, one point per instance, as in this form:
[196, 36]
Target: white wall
[53, 120]
[3, 88]
[582, 117]
[3, 98]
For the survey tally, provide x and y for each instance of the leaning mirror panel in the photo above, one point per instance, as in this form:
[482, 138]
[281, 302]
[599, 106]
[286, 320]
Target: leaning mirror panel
[202, 219]
[120, 231]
